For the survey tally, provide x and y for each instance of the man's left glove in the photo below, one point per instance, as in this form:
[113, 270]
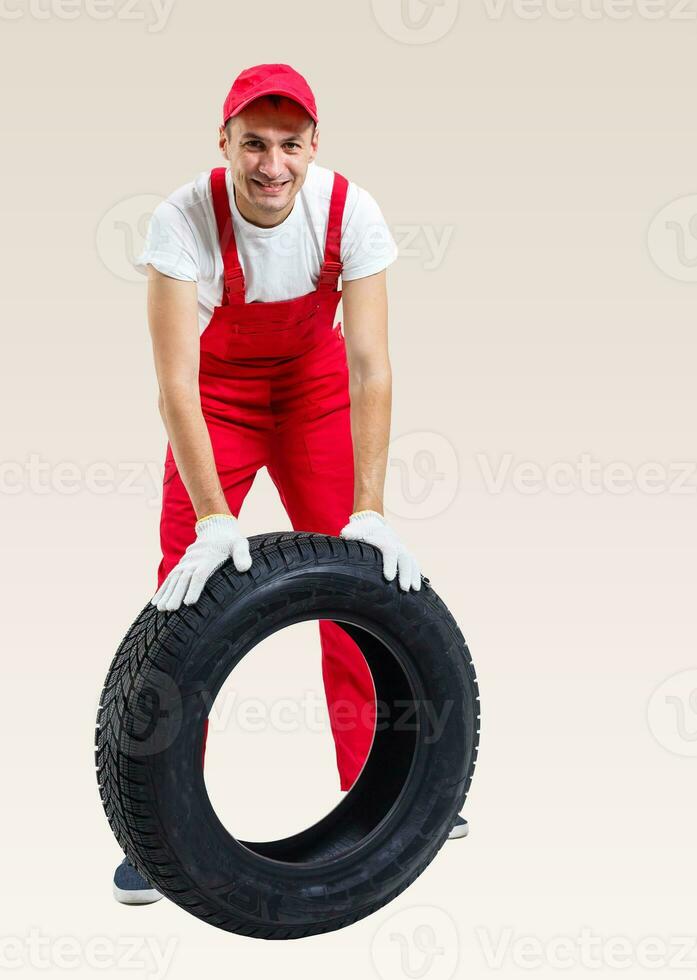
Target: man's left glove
[371, 527]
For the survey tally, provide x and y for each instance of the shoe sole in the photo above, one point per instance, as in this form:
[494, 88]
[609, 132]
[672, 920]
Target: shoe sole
[141, 896]
[459, 831]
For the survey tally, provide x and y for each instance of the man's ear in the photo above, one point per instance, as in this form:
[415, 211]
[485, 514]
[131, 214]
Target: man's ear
[314, 144]
[222, 140]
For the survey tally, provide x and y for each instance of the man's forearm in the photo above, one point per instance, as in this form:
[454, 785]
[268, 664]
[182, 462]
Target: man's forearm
[193, 452]
[371, 406]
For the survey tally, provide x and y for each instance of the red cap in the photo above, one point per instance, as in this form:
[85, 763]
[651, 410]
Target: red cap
[268, 80]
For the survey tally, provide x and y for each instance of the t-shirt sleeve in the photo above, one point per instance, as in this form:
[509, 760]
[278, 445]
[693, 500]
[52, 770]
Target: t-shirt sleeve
[170, 245]
[367, 245]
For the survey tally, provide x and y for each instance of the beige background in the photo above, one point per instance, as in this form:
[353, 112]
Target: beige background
[558, 322]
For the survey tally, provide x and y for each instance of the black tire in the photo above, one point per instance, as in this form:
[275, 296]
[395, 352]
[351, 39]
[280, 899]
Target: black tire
[398, 813]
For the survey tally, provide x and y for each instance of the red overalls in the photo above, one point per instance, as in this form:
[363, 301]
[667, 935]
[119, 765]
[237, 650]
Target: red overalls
[274, 392]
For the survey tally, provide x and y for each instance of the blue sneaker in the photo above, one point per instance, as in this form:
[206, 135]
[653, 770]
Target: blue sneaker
[460, 829]
[131, 888]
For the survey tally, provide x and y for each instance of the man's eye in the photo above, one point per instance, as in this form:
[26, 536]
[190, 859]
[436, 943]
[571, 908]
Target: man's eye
[259, 143]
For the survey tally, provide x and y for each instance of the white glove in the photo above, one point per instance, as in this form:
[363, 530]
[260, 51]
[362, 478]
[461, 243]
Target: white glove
[371, 527]
[217, 538]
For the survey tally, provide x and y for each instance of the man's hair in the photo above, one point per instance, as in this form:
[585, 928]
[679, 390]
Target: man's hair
[275, 101]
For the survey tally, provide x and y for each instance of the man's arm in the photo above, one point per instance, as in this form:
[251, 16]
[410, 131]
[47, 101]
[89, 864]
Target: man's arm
[370, 385]
[173, 322]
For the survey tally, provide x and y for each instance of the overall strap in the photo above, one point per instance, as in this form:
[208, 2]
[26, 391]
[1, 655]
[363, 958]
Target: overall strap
[233, 276]
[331, 267]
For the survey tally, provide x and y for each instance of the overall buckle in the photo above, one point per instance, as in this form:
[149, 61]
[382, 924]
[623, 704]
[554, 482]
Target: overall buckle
[234, 283]
[329, 273]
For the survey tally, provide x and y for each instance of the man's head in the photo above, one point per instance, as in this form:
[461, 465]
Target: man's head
[269, 136]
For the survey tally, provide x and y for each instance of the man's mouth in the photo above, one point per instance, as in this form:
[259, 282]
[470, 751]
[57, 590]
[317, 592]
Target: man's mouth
[270, 188]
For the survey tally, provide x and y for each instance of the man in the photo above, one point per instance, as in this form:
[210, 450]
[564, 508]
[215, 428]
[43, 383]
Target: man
[243, 265]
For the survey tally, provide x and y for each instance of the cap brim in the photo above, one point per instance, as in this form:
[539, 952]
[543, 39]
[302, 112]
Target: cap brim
[272, 90]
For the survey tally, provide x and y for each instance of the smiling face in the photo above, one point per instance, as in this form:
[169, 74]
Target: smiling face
[269, 146]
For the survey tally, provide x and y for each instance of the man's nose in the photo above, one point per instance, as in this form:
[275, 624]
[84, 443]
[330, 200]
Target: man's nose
[272, 162]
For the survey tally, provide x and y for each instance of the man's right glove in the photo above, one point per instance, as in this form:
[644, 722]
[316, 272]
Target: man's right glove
[218, 538]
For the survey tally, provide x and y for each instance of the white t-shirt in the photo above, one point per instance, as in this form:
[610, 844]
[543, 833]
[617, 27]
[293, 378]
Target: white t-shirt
[279, 263]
